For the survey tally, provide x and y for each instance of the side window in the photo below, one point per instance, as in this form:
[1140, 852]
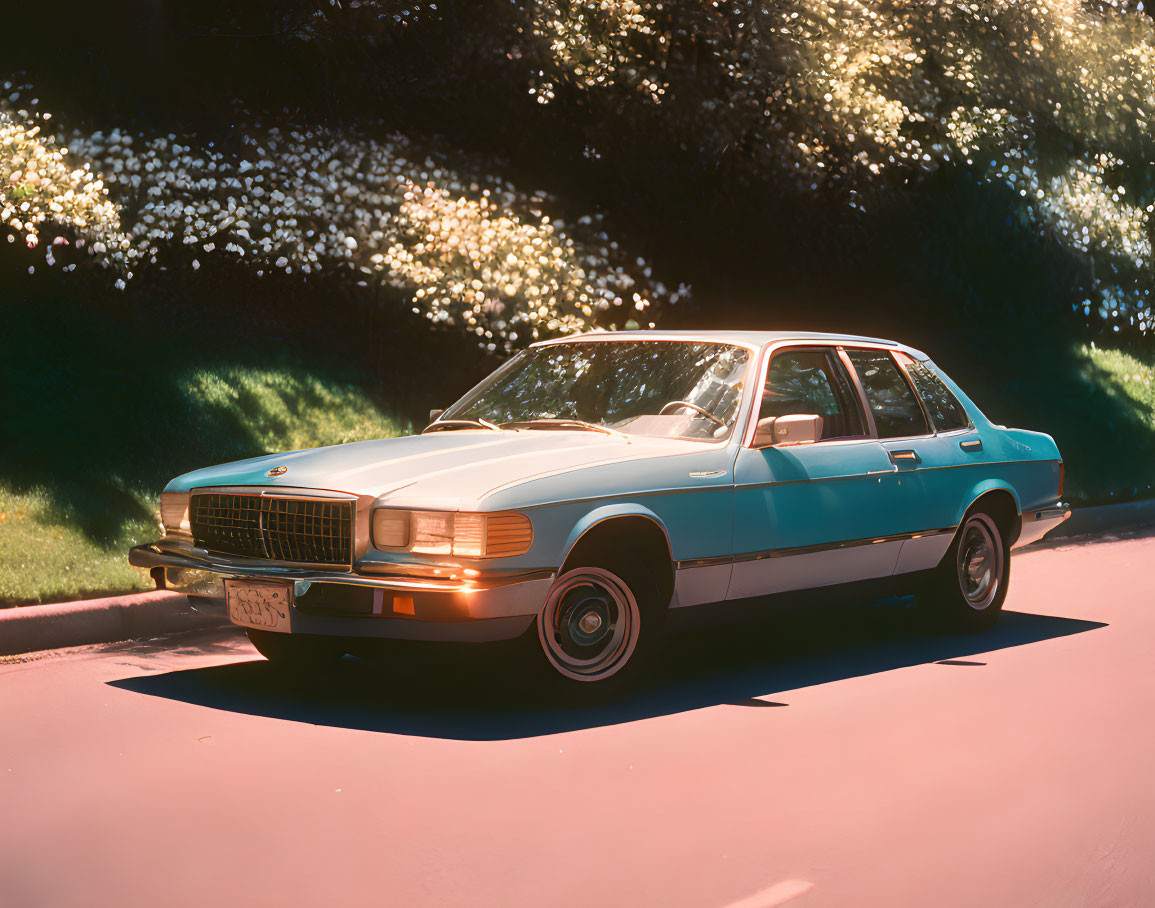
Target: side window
[945, 411]
[812, 381]
[895, 408]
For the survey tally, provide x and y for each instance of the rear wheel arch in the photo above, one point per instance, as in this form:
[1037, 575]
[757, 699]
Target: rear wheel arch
[967, 590]
[1003, 505]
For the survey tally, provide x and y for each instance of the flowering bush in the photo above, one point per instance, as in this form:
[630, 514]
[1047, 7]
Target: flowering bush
[476, 264]
[842, 100]
[1055, 98]
[471, 250]
[39, 187]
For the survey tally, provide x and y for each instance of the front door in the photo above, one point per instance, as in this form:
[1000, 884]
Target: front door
[810, 515]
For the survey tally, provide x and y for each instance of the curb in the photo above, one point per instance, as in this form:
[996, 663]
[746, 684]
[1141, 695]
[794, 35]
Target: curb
[25, 629]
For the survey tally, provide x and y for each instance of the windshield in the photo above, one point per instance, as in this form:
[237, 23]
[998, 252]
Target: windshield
[671, 388]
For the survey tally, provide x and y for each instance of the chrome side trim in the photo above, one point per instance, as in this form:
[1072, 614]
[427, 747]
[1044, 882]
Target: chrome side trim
[691, 563]
[810, 570]
[807, 549]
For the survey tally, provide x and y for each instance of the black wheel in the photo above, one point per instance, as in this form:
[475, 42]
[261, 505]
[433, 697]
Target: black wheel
[599, 630]
[297, 652]
[970, 584]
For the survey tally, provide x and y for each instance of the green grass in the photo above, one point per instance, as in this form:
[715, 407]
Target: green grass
[286, 410]
[1097, 403]
[101, 410]
[46, 553]
[1115, 446]
[44, 557]
[1127, 378]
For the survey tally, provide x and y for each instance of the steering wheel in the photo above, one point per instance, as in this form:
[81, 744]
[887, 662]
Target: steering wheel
[695, 407]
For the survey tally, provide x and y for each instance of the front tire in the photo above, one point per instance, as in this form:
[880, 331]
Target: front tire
[970, 584]
[599, 630]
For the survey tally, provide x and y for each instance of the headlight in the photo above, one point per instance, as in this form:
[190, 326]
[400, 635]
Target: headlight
[174, 512]
[452, 533]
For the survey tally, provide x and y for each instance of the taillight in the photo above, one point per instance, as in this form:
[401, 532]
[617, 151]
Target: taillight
[1062, 477]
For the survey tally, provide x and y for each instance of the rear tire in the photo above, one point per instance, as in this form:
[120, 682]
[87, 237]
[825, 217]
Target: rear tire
[600, 630]
[297, 652]
[969, 586]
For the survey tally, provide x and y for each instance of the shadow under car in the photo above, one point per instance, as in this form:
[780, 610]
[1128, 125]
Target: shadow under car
[484, 692]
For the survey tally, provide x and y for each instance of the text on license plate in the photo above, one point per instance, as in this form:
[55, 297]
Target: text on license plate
[259, 604]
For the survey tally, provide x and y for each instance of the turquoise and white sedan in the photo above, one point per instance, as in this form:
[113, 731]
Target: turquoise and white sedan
[593, 485]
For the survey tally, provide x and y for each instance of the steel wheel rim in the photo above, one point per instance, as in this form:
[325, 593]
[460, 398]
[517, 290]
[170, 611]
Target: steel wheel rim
[590, 623]
[979, 561]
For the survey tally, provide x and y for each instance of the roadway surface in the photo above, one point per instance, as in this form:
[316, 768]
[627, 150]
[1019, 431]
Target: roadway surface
[829, 759]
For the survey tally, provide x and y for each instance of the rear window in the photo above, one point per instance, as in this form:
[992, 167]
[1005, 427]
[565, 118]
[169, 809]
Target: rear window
[896, 410]
[945, 411]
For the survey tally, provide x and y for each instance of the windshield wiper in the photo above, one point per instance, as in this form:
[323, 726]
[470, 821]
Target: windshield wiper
[467, 423]
[563, 423]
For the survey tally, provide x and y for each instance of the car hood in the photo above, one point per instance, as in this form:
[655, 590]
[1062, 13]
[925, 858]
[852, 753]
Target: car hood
[450, 469]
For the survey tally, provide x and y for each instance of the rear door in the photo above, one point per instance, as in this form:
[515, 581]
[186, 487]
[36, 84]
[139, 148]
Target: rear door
[809, 515]
[928, 438]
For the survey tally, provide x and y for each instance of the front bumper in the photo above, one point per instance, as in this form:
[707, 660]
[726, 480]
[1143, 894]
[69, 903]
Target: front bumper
[1038, 522]
[394, 602]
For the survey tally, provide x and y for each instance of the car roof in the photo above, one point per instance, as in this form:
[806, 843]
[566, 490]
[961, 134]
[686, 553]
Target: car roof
[754, 339]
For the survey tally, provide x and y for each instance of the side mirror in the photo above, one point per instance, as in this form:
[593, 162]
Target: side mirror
[434, 415]
[783, 431]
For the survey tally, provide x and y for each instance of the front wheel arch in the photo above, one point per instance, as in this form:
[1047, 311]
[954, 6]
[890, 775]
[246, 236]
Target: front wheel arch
[603, 539]
[621, 576]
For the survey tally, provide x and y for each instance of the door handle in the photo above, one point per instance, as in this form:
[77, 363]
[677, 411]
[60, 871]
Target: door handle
[906, 456]
[973, 446]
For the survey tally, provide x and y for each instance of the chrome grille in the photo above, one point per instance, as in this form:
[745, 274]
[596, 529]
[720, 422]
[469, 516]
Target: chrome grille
[300, 530]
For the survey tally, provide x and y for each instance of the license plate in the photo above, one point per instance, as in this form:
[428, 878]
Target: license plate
[259, 604]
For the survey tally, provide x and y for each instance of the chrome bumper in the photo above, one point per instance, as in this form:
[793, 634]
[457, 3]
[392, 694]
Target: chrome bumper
[1038, 522]
[495, 605]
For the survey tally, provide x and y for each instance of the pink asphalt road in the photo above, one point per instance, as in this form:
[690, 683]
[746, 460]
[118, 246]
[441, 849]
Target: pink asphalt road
[841, 758]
